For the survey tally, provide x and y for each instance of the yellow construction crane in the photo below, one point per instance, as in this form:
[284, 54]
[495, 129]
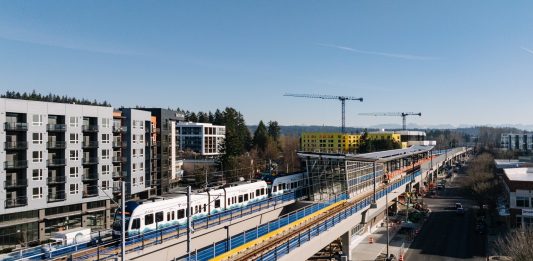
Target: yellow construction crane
[343, 100]
[402, 114]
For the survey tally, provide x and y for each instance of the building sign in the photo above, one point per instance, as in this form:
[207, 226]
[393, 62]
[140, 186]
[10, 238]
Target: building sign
[527, 212]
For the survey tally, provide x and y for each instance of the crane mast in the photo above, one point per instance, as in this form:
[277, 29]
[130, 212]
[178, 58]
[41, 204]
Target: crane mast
[343, 100]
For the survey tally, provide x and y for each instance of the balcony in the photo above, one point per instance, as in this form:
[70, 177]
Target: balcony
[90, 194]
[16, 164]
[120, 129]
[15, 126]
[16, 202]
[55, 162]
[16, 145]
[117, 159]
[55, 180]
[90, 144]
[119, 174]
[89, 161]
[13, 184]
[56, 145]
[89, 177]
[56, 127]
[118, 144]
[89, 128]
[55, 197]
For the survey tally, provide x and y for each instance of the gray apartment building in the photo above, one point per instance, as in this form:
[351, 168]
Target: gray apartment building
[202, 138]
[59, 163]
[164, 153]
[519, 142]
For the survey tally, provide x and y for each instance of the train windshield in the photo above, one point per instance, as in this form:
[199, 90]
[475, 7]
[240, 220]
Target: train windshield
[117, 221]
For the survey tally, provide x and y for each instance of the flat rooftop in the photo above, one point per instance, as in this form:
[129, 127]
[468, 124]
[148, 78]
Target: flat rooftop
[382, 156]
[519, 174]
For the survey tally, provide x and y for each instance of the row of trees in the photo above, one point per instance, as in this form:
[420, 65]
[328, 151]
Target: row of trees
[367, 145]
[35, 96]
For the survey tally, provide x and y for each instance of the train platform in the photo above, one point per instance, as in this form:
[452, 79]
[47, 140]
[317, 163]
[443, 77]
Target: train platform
[372, 246]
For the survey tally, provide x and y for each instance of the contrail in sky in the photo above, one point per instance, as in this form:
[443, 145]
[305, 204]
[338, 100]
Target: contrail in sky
[392, 55]
[527, 50]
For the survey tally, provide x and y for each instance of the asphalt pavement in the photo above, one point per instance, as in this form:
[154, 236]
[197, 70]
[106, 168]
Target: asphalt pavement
[447, 235]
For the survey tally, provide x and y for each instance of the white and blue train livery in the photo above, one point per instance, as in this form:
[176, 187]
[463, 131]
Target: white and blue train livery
[287, 183]
[151, 215]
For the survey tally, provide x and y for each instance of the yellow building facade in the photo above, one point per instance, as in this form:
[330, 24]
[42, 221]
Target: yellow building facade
[336, 142]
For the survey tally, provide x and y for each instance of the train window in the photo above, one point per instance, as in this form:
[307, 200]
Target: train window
[217, 203]
[245, 197]
[274, 189]
[257, 191]
[181, 213]
[148, 219]
[195, 209]
[136, 223]
[263, 191]
[229, 202]
[240, 198]
[251, 195]
[168, 216]
[191, 212]
[173, 215]
[279, 187]
[159, 217]
[234, 200]
[205, 207]
[284, 185]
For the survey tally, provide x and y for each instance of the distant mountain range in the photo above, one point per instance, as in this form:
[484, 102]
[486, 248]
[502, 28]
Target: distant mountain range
[464, 128]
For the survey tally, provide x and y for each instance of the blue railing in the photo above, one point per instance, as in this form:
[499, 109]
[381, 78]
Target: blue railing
[221, 247]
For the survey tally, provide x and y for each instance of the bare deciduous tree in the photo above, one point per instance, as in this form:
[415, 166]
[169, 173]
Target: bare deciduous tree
[517, 244]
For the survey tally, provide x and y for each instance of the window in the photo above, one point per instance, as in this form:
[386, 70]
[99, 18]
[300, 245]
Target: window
[73, 121]
[141, 166]
[105, 169]
[105, 138]
[136, 223]
[134, 166]
[141, 152]
[105, 184]
[105, 154]
[522, 202]
[134, 152]
[141, 139]
[74, 138]
[240, 198]
[105, 122]
[245, 197]
[168, 216]
[141, 181]
[141, 125]
[148, 219]
[74, 155]
[134, 183]
[173, 215]
[37, 156]
[37, 120]
[37, 138]
[37, 192]
[159, 217]
[73, 172]
[134, 140]
[74, 189]
[181, 213]
[217, 203]
[37, 174]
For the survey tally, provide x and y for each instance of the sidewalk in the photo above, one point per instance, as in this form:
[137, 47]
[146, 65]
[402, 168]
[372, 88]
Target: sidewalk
[363, 250]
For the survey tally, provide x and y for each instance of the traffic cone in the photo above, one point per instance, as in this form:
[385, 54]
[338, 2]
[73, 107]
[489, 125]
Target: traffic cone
[370, 240]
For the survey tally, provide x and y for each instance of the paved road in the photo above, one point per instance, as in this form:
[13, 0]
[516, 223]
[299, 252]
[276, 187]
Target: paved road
[446, 235]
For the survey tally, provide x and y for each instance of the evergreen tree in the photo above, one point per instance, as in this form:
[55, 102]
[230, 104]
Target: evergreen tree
[274, 130]
[192, 117]
[261, 134]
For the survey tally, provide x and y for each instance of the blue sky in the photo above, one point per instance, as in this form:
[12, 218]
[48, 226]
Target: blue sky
[457, 62]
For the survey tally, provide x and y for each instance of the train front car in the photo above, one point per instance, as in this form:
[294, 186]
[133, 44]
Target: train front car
[117, 219]
[288, 183]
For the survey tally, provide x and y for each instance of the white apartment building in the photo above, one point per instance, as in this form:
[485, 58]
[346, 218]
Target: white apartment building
[522, 142]
[202, 138]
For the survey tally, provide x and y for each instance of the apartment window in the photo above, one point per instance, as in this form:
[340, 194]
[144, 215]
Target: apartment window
[134, 182]
[141, 139]
[37, 192]
[105, 138]
[134, 152]
[141, 125]
[74, 189]
[141, 152]
[74, 155]
[37, 156]
[105, 154]
[105, 184]
[141, 181]
[141, 166]
[37, 138]
[105, 122]
[134, 140]
[134, 166]
[74, 138]
[522, 202]
[73, 121]
[37, 174]
[105, 169]
[37, 120]
[74, 172]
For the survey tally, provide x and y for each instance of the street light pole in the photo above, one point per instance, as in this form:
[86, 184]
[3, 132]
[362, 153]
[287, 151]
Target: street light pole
[387, 219]
[189, 220]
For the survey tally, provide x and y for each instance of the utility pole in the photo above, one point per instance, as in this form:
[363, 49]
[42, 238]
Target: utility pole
[123, 248]
[387, 219]
[189, 220]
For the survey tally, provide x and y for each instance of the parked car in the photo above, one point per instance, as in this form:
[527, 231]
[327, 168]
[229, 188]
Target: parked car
[458, 205]
[460, 211]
